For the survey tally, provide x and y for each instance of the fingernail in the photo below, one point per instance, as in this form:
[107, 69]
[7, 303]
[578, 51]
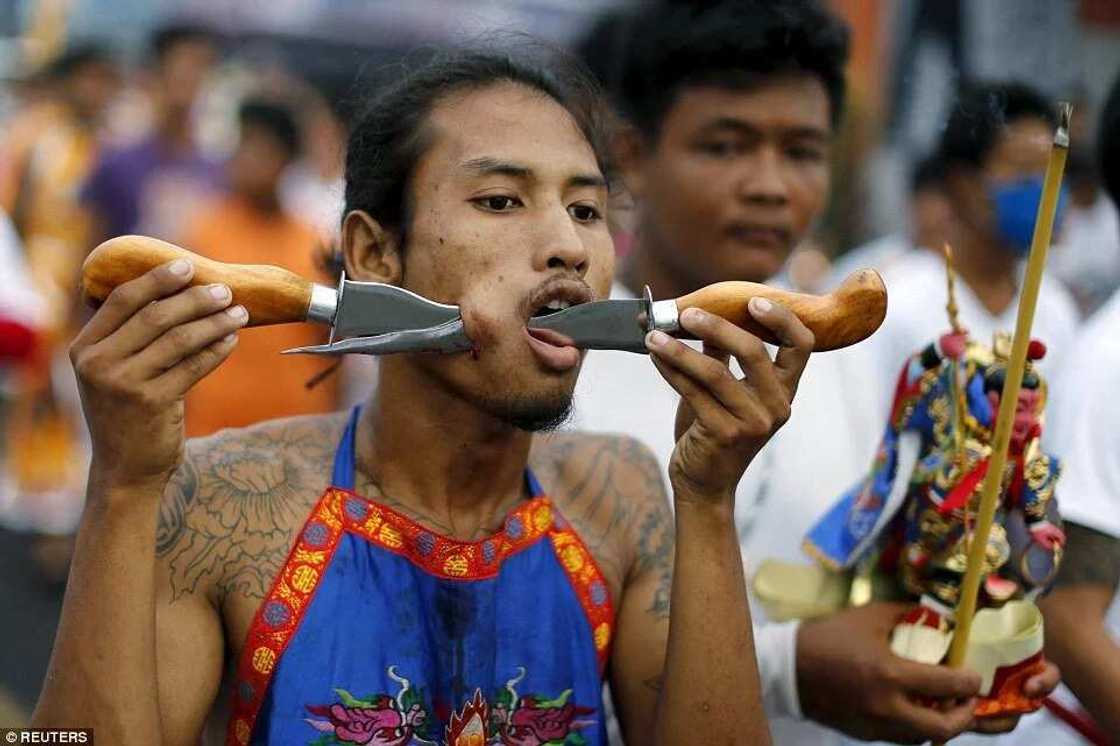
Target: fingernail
[238, 312]
[760, 305]
[220, 292]
[180, 267]
[229, 338]
[657, 339]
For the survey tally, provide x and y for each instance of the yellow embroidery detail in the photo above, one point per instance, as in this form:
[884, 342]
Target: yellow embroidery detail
[263, 660]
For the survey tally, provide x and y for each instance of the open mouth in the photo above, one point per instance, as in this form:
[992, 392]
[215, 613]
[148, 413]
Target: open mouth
[551, 307]
[554, 350]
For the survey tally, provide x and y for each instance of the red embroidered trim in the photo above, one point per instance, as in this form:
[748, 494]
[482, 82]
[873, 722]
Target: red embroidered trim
[440, 555]
[279, 615]
[587, 581]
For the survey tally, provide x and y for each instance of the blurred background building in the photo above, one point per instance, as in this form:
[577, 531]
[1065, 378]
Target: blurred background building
[106, 127]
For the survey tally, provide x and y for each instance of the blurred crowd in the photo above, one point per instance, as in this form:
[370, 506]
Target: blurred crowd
[239, 158]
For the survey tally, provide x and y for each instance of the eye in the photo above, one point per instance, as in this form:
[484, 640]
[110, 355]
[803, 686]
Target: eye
[497, 202]
[805, 154]
[719, 148]
[585, 213]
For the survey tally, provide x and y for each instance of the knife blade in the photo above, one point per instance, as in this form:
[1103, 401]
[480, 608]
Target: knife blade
[849, 314]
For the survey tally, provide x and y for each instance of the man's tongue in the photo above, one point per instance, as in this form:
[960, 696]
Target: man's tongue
[553, 349]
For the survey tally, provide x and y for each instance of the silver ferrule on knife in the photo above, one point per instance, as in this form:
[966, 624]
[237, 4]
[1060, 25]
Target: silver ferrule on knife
[324, 304]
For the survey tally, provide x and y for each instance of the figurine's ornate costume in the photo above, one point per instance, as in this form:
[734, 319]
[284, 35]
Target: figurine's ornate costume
[903, 531]
[911, 515]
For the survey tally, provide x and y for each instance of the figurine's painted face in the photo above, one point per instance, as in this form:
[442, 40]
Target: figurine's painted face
[1026, 424]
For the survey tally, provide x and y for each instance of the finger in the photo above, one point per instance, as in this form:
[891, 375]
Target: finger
[190, 370]
[796, 339]
[938, 682]
[704, 372]
[1044, 682]
[994, 725]
[744, 346]
[129, 297]
[180, 342]
[705, 407]
[156, 319]
[938, 724]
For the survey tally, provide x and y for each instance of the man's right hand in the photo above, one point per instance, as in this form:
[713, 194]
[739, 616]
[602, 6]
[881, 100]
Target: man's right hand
[848, 679]
[135, 360]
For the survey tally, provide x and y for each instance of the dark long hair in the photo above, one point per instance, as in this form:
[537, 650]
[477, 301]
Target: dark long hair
[388, 139]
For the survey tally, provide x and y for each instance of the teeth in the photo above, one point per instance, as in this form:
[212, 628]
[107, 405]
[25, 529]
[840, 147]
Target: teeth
[558, 305]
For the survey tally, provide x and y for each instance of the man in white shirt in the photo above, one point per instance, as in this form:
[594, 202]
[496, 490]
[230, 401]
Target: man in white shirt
[733, 109]
[994, 149]
[1083, 611]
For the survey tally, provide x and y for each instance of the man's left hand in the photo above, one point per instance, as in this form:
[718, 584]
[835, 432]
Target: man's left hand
[723, 421]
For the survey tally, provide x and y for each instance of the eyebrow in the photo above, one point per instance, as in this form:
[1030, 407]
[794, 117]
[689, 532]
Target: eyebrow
[487, 165]
[813, 133]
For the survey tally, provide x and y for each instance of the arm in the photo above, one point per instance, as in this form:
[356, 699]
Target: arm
[710, 691]
[135, 360]
[1076, 638]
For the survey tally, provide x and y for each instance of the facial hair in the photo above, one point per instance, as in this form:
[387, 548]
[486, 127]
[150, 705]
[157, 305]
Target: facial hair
[532, 414]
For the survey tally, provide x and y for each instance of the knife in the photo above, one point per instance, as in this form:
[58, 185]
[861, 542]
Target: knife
[368, 317]
[849, 314]
[378, 319]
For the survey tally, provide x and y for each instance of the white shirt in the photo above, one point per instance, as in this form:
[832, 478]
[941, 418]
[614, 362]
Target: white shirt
[803, 473]
[1085, 422]
[916, 300]
[827, 445]
[18, 299]
[1087, 256]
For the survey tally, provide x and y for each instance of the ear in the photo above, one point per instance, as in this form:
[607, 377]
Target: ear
[371, 252]
[630, 150]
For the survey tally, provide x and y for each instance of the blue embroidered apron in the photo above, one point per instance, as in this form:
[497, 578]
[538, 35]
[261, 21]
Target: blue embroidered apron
[378, 631]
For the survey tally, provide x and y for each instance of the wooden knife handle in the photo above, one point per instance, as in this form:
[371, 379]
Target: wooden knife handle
[271, 295]
[849, 314]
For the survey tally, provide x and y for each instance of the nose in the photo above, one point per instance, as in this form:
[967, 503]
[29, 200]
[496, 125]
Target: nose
[562, 246]
[763, 179]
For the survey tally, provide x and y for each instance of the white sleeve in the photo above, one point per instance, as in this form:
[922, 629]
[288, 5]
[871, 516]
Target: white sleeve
[775, 646]
[1086, 427]
[18, 299]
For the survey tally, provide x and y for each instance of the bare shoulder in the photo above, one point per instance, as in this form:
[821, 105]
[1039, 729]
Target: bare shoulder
[611, 488]
[230, 511]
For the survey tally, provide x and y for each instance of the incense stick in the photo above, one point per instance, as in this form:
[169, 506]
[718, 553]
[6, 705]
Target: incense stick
[989, 500]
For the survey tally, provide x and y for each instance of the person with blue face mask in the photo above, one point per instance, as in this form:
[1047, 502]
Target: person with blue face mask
[994, 150]
[1016, 207]
[995, 146]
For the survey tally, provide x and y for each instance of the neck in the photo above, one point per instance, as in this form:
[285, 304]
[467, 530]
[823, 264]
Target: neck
[438, 456]
[989, 270]
[643, 268]
[173, 128]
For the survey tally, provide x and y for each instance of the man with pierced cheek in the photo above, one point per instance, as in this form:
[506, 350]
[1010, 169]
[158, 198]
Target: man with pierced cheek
[424, 569]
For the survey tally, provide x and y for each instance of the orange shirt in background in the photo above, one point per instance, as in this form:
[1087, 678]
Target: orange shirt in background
[256, 383]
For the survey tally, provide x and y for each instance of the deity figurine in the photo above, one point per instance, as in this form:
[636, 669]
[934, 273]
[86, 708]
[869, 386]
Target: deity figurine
[904, 530]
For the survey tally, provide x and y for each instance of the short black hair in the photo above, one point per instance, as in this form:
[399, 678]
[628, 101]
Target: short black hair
[388, 140]
[980, 114]
[735, 43]
[929, 173]
[78, 57]
[167, 37]
[1108, 143]
[273, 117]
